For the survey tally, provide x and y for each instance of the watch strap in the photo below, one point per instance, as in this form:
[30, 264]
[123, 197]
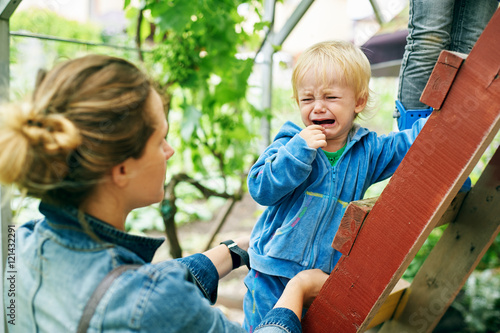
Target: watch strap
[238, 255]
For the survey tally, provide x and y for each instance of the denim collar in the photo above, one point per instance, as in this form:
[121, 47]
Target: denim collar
[62, 217]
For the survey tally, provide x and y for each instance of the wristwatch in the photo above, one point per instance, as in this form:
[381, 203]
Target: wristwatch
[238, 255]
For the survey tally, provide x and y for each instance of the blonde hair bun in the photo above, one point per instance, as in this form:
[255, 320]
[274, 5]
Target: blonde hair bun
[28, 137]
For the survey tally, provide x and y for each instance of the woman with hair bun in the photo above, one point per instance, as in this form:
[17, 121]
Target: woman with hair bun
[91, 145]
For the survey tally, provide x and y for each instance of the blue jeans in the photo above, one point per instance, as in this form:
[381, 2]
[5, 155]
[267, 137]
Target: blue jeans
[433, 26]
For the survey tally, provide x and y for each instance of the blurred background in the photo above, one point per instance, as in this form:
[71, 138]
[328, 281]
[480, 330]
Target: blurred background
[224, 72]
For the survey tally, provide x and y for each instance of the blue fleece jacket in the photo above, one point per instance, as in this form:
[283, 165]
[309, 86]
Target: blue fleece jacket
[307, 198]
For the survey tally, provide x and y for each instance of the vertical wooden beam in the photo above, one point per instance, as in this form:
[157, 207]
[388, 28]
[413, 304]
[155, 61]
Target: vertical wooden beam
[454, 257]
[429, 177]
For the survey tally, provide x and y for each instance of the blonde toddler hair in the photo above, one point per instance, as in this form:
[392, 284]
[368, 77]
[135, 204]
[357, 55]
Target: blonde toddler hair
[341, 57]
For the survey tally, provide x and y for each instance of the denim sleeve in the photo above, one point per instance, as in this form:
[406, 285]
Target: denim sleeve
[204, 273]
[280, 320]
[172, 296]
[282, 167]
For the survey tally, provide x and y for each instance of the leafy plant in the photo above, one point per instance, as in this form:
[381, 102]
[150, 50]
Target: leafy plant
[480, 303]
[196, 63]
[28, 55]
[212, 126]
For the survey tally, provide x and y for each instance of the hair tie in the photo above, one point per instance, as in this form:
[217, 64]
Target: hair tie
[32, 122]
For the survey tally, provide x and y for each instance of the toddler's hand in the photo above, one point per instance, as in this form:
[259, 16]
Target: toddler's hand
[314, 136]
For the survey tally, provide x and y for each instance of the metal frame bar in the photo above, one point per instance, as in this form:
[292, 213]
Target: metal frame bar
[7, 8]
[73, 41]
[376, 11]
[268, 49]
[292, 21]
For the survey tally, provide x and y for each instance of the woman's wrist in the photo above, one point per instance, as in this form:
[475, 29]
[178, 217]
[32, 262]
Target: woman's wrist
[243, 242]
[221, 256]
[292, 298]
[239, 256]
[301, 290]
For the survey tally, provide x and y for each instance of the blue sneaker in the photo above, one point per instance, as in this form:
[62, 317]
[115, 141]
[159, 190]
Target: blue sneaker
[406, 118]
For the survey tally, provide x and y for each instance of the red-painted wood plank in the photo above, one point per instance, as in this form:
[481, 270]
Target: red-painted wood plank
[350, 224]
[442, 77]
[422, 188]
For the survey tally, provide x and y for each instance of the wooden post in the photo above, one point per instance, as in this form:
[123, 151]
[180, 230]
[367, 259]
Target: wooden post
[429, 177]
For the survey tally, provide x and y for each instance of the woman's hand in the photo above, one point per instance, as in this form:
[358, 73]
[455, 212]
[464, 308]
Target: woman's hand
[310, 281]
[301, 291]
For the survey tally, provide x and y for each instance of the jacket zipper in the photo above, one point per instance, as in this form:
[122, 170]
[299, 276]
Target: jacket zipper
[319, 225]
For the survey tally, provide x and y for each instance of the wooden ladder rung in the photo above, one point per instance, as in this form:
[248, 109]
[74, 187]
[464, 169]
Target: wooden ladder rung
[357, 211]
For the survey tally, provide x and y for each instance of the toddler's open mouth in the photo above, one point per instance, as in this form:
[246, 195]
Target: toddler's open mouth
[323, 121]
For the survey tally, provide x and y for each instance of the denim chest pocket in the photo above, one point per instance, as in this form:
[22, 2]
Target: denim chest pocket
[294, 239]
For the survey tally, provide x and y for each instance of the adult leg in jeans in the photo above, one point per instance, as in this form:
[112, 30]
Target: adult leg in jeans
[433, 26]
[429, 32]
[470, 17]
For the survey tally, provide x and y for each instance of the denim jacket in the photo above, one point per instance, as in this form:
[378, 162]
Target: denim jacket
[307, 197]
[59, 266]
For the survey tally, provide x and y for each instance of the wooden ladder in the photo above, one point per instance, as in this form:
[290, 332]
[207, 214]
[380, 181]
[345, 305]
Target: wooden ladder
[379, 239]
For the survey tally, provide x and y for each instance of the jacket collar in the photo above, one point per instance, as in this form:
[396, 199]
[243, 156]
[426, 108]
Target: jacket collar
[66, 217]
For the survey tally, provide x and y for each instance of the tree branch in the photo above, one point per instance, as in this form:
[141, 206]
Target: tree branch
[205, 191]
[138, 35]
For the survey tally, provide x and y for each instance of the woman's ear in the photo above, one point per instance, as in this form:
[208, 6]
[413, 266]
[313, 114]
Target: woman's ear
[360, 104]
[120, 174]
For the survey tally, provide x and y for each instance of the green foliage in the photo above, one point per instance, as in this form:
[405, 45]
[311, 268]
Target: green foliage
[45, 22]
[480, 304]
[491, 258]
[142, 219]
[25, 64]
[50, 23]
[195, 61]
[423, 253]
